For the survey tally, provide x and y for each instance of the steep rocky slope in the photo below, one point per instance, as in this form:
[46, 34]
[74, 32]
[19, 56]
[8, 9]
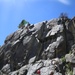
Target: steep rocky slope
[45, 48]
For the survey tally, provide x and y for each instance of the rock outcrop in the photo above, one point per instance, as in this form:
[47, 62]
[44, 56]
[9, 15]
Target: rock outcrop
[39, 48]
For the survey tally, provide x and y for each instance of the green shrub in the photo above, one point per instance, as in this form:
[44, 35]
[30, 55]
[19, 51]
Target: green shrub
[22, 24]
[63, 59]
[68, 69]
[69, 72]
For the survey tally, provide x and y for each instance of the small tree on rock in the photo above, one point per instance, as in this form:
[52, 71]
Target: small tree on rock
[63, 15]
[22, 24]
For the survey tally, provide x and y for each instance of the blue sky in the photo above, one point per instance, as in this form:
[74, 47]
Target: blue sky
[13, 11]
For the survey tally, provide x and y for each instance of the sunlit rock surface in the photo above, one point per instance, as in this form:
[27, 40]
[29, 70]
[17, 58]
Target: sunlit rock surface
[39, 50]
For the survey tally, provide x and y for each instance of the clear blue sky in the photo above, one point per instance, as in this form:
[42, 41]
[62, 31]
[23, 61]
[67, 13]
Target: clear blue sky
[13, 11]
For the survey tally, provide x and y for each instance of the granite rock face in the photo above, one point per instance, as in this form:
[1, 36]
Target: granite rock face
[38, 47]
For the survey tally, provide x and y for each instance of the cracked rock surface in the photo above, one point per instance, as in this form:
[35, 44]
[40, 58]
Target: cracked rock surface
[39, 50]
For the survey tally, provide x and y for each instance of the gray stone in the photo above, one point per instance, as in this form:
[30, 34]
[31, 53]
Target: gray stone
[9, 37]
[70, 58]
[45, 40]
[32, 60]
[6, 69]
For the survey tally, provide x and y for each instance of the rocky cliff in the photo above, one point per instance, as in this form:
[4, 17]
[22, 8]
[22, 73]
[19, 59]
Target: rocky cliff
[44, 48]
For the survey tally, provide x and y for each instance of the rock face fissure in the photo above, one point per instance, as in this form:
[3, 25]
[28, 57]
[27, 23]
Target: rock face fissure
[39, 49]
